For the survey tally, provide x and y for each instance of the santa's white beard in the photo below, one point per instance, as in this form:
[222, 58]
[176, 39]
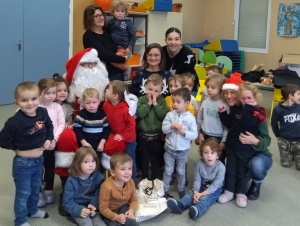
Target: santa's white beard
[89, 78]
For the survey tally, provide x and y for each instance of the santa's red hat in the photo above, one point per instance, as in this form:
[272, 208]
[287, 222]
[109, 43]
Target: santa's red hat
[233, 82]
[85, 55]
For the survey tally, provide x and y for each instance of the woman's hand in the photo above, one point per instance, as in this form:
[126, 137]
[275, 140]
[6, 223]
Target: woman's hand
[248, 138]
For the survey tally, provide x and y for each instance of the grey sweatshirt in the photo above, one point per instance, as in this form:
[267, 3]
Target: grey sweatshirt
[211, 177]
[208, 119]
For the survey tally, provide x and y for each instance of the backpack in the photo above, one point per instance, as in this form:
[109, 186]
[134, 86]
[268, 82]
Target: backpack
[285, 76]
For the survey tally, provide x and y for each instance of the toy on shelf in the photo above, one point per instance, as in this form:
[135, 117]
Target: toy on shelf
[222, 45]
[157, 5]
[139, 33]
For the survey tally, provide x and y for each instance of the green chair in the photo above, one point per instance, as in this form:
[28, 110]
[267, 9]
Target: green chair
[209, 57]
[200, 54]
[224, 62]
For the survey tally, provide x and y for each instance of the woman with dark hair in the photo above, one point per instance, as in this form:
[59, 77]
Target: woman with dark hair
[179, 59]
[97, 37]
[153, 62]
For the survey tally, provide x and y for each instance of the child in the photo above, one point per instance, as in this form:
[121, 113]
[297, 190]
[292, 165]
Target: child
[122, 124]
[239, 154]
[81, 191]
[286, 125]
[29, 132]
[208, 120]
[62, 92]
[90, 125]
[208, 182]
[189, 84]
[210, 70]
[175, 82]
[180, 128]
[48, 94]
[122, 30]
[151, 111]
[118, 200]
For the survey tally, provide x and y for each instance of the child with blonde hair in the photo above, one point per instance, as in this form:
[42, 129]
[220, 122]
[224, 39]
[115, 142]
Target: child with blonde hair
[29, 132]
[239, 154]
[208, 182]
[189, 84]
[48, 95]
[81, 193]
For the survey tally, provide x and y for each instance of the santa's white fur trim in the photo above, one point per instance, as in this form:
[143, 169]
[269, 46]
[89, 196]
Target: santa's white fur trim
[230, 86]
[133, 97]
[72, 97]
[90, 56]
[105, 161]
[63, 159]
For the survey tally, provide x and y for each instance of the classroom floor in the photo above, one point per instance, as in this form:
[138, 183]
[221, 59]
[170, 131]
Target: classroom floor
[279, 203]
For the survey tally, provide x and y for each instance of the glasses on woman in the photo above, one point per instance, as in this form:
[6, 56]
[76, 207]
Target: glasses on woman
[98, 16]
[153, 55]
[230, 92]
[88, 64]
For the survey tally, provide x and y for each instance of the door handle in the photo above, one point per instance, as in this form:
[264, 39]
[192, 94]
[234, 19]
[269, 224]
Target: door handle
[19, 44]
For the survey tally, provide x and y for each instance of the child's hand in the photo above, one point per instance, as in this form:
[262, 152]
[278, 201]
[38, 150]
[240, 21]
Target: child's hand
[127, 51]
[200, 138]
[121, 218]
[222, 146]
[69, 126]
[149, 97]
[118, 137]
[222, 108]
[176, 126]
[52, 145]
[251, 101]
[84, 143]
[130, 214]
[85, 212]
[101, 145]
[154, 99]
[92, 210]
[46, 144]
[197, 196]
[196, 111]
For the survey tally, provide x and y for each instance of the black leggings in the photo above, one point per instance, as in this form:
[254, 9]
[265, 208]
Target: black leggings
[49, 165]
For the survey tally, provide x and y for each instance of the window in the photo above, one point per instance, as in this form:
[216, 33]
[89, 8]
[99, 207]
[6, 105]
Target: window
[252, 25]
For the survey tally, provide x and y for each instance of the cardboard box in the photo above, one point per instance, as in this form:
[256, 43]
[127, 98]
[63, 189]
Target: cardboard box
[291, 58]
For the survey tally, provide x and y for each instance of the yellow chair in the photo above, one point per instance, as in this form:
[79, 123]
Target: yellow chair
[199, 93]
[276, 99]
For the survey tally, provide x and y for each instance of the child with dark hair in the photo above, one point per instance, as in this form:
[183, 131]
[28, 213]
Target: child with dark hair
[81, 191]
[285, 124]
[208, 182]
[180, 128]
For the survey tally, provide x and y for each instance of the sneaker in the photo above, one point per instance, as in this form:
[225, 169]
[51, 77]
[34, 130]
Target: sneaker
[181, 193]
[241, 200]
[167, 195]
[173, 205]
[42, 201]
[193, 212]
[49, 196]
[225, 197]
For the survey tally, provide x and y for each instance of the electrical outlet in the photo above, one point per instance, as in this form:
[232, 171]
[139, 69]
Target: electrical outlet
[212, 36]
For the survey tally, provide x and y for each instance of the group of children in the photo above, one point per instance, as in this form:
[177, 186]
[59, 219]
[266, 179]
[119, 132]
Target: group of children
[101, 131]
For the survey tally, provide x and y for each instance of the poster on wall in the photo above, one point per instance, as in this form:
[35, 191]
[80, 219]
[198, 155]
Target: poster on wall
[289, 20]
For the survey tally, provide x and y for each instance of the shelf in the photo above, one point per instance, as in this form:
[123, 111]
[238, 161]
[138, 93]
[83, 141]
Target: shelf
[140, 35]
[135, 65]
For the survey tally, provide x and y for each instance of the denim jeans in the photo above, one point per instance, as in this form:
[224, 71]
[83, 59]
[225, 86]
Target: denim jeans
[118, 76]
[130, 150]
[204, 203]
[181, 158]
[258, 167]
[27, 174]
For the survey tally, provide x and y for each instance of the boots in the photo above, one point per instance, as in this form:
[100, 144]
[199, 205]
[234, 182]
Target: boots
[61, 209]
[254, 190]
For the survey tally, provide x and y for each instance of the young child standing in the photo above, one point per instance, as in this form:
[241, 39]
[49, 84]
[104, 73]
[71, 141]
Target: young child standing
[285, 124]
[48, 94]
[118, 200]
[151, 111]
[81, 191]
[122, 30]
[208, 182]
[122, 124]
[210, 70]
[180, 128]
[29, 132]
[189, 84]
[239, 154]
[208, 120]
[90, 125]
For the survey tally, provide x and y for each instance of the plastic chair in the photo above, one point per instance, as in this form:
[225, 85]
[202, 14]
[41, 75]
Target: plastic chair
[199, 93]
[224, 62]
[200, 54]
[276, 99]
[209, 57]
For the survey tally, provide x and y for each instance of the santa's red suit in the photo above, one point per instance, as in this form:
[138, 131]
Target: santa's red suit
[80, 79]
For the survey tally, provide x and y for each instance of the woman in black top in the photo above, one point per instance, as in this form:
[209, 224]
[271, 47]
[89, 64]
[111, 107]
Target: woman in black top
[97, 37]
[179, 59]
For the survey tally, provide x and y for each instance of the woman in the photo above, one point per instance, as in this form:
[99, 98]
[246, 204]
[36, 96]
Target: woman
[98, 38]
[179, 59]
[262, 160]
[153, 62]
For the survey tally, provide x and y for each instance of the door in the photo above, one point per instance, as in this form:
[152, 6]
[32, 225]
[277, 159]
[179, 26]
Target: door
[11, 49]
[46, 38]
